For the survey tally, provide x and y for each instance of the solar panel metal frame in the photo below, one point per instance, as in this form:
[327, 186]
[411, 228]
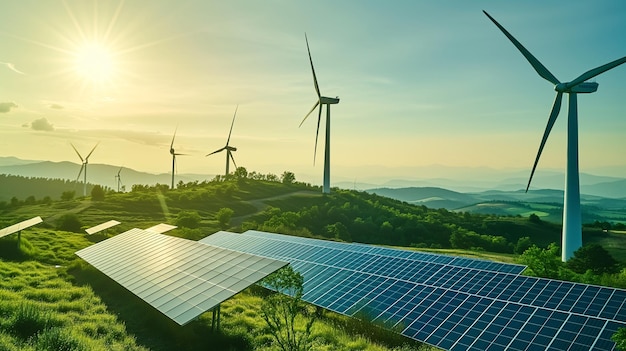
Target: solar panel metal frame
[451, 307]
[180, 278]
[101, 227]
[161, 228]
[20, 226]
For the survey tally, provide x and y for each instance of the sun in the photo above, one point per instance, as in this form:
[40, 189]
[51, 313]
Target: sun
[94, 62]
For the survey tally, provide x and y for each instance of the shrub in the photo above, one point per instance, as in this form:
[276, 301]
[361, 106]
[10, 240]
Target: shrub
[70, 223]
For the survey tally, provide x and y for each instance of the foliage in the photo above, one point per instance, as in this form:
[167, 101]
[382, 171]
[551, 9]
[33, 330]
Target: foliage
[69, 222]
[522, 245]
[288, 178]
[288, 318]
[188, 219]
[97, 193]
[533, 218]
[544, 263]
[592, 257]
[241, 173]
[68, 195]
[224, 215]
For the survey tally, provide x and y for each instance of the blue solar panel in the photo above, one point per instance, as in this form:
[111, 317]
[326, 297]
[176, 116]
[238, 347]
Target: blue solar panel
[449, 303]
[391, 252]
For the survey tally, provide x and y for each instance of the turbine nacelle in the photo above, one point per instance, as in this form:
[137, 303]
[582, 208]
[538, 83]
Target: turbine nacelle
[328, 100]
[582, 88]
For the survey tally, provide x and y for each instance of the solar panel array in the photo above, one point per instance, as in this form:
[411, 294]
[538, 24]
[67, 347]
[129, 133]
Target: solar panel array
[452, 305]
[20, 226]
[101, 227]
[161, 228]
[180, 278]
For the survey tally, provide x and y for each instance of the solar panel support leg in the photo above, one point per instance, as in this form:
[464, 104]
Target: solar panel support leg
[219, 312]
[19, 239]
[213, 320]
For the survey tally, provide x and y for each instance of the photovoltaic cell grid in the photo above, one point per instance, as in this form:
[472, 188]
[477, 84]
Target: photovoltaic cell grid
[452, 307]
[20, 226]
[412, 255]
[161, 228]
[101, 227]
[180, 278]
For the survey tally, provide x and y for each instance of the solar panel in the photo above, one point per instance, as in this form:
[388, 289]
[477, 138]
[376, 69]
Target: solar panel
[179, 277]
[161, 228]
[20, 226]
[101, 227]
[446, 305]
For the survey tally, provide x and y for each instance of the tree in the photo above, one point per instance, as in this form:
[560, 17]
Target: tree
[620, 339]
[533, 218]
[241, 173]
[68, 195]
[523, 244]
[97, 193]
[289, 319]
[544, 263]
[70, 223]
[592, 257]
[188, 219]
[288, 178]
[224, 215]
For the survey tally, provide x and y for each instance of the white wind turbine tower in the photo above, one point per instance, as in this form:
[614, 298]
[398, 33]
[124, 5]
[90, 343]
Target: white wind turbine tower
[84, 161]
[119, 179]
[229, 149]
[174, 154]
[321, 101]
[572, 223]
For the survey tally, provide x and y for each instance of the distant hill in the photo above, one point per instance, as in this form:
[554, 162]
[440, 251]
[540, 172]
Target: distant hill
[546, 203]
[97, 173]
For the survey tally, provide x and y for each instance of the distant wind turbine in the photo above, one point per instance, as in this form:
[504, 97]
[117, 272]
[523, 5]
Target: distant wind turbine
[572, 223]
[119, 179]
[229, 149]
[174, 154]
[83, 166]
[321, 101]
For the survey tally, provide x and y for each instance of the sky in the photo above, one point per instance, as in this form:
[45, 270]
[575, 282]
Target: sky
[420, 83]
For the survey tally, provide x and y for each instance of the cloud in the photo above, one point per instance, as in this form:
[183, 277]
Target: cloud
[56, 106]
[11, 67]
[42, 124]
[7, 106]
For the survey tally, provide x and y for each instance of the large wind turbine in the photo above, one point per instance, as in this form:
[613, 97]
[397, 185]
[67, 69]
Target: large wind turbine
[572, 224]
[174, 154]
[321, 101]
[229, 149]
[119, 179]
[83, 166]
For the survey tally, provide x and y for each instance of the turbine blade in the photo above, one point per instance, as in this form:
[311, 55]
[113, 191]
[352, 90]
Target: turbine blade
[232, 158]
[80, 172]
[319, 118]
[172, 144]
[317, 88]
[90, 152]
[556, 108]
[216, 151]
[77, 153]
[541, 69]
[307, 115]
[231, 125]
[596, 71]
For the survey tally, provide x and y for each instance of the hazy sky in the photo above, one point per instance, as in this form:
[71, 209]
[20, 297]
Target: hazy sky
[420, 83]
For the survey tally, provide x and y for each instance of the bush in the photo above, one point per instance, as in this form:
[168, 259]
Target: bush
[224, 215]
[188, 219]
[592, 257]
[70, 223]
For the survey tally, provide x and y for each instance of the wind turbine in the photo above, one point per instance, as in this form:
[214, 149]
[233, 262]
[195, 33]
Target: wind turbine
[174, 154]
[84, 161]
[321, 101]
[572, 224]
[229, 149]
[119, 179]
